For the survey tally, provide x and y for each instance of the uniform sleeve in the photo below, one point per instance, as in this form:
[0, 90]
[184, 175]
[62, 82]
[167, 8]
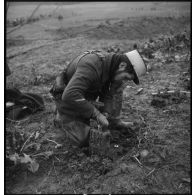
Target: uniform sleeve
[74, 94]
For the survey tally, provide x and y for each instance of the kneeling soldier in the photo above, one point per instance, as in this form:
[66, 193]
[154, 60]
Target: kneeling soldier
[92, 75]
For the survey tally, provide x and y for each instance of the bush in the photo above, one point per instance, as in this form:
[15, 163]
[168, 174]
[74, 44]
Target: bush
[30, 20]
[42, 16]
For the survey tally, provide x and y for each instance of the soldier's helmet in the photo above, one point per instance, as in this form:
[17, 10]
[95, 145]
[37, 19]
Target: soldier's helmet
[137, 63]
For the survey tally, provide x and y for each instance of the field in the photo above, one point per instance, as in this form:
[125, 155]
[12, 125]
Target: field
[39, 48]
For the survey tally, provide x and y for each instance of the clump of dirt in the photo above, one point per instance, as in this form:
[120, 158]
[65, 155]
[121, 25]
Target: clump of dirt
[186, 79]
[167, 97]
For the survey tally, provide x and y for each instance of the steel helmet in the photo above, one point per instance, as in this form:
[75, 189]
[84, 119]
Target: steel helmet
[137, 63]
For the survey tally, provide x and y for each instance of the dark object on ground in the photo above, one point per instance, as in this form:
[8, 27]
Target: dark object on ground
[8, 72]
[20, 105]
[158, 102]
[135, 46]
[186, 79]
[163, 98]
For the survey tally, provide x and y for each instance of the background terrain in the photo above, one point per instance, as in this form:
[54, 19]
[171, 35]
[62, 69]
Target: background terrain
[41, 39]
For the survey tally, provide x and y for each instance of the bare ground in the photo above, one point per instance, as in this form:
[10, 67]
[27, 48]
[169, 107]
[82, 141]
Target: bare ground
[165, 132]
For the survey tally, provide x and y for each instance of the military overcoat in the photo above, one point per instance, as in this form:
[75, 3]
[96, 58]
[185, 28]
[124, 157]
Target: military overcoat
[87, 77]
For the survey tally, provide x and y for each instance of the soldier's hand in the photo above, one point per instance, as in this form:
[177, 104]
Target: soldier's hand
[102, 120]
